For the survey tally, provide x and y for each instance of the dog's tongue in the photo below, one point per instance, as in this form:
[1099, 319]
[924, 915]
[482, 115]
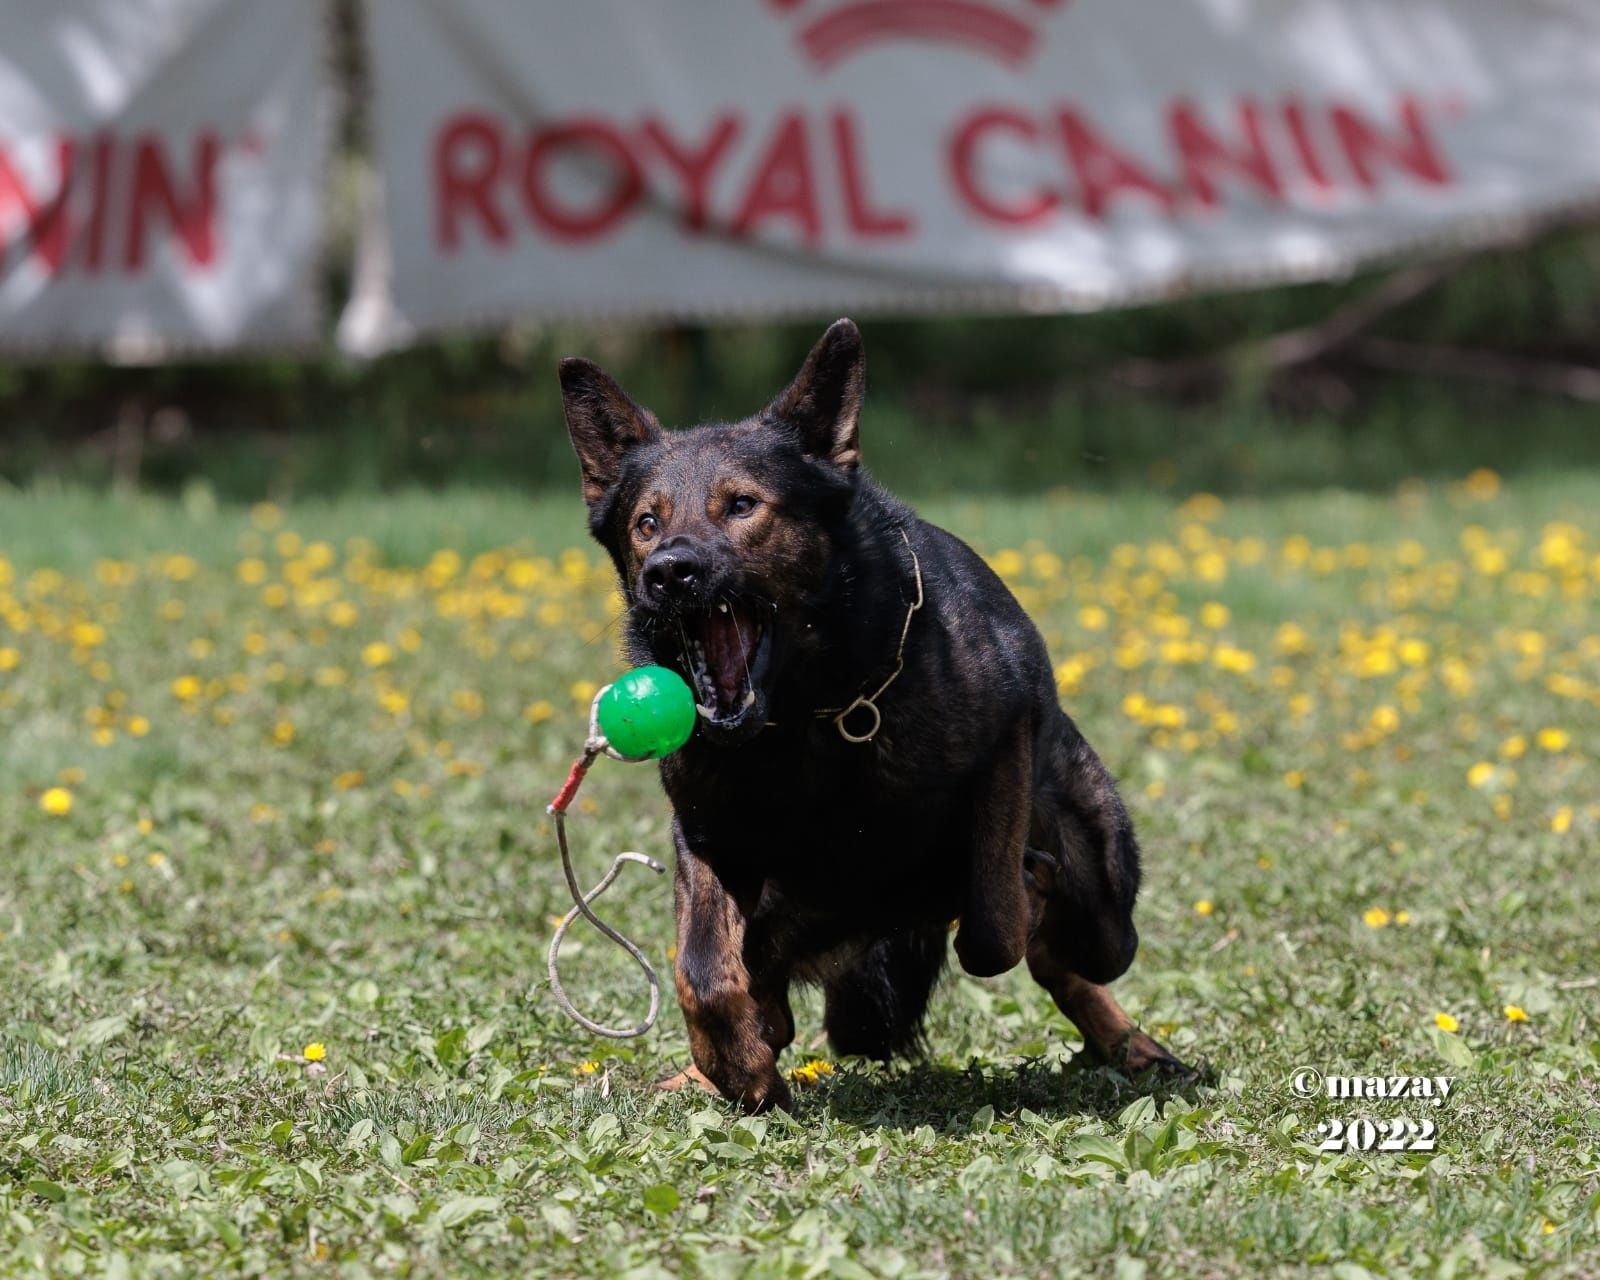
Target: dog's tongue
[728, 637]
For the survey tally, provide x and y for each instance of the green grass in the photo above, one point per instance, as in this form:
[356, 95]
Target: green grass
[305, 848]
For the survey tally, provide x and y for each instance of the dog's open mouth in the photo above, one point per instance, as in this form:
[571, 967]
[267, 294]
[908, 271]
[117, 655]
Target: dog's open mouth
[727, 650]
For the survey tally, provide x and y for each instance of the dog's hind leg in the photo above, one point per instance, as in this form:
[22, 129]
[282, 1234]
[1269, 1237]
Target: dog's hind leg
[1084, 875]
[875, 1008]
[1105, 1026]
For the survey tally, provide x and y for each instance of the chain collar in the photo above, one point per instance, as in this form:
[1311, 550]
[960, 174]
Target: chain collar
[869, 701]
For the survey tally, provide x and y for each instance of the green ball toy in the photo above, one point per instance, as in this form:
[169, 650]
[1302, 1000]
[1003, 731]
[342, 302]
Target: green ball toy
[646, 714]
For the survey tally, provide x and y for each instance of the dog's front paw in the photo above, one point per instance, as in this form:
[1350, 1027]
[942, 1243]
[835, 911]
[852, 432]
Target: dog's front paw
[766, 1095]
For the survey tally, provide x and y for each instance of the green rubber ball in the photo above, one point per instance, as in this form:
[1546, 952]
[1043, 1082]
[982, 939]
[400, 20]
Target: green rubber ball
[647, 714]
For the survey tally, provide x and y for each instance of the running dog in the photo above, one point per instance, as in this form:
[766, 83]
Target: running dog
[880, 751]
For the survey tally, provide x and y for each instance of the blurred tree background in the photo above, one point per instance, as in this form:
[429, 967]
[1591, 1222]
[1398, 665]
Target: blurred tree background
[1433, 368]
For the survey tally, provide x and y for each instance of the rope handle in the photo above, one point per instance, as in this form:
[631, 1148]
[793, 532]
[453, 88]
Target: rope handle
[580, 906]
[557, 809]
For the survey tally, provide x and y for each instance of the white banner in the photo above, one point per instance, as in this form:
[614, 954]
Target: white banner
[162, 173]
[543, 159]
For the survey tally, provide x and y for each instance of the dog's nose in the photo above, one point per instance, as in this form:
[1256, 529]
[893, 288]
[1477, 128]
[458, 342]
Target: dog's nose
[674, 573]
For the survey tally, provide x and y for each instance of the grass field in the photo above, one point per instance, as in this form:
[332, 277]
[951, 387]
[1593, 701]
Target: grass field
[279, 886]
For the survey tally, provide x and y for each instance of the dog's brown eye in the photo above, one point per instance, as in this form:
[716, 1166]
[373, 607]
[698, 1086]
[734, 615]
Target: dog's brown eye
[647, 525]
[743, 505]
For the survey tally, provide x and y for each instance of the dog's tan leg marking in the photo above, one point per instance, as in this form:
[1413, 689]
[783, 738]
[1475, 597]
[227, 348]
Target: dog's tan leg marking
[729, 1037]
[993, 933]
[1104, 1024]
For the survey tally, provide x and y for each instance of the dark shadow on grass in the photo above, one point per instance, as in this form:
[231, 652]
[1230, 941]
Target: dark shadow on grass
[909, 1095]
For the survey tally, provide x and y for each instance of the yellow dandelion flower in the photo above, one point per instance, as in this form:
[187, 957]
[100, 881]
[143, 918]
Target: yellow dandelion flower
[1069, 675]
[583, 691]
[283, 732]
[588, 1068]
[1007, 562]
[1414, 652]
[1561, 820]
[316, 1051]
[1294, 779]
[538, 712]
[1446, 1023]
[1553, 739]
[377, 654]
[120, 860]
[1482, 484]
[252, 572]
[138, 726]
[1402, 917]
[88, 635]
[10, 659]
[1376, 917]
[1230, 658]
[187, 688]
[266, 515]
[1292, 638]
[810, 1073]
[349, 780]
[156, 859]
[56, 801]
[1214, 616]
[1480, 774]
[1515, 1013]
[1204, 907]
[1205, 507]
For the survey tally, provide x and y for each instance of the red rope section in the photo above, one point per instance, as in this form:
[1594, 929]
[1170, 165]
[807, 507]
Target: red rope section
[569, 788]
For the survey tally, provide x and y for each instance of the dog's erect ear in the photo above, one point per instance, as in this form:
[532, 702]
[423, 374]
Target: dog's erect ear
[603, 423]
[824, 400]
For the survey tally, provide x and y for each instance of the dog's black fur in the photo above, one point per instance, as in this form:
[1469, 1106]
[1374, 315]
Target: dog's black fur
[759, 560]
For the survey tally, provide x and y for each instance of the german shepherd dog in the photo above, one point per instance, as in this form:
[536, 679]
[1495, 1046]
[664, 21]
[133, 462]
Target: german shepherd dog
[880, 751]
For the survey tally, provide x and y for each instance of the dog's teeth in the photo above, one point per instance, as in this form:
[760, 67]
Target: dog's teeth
[706, 713]
[722, 608]
[749, 700]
